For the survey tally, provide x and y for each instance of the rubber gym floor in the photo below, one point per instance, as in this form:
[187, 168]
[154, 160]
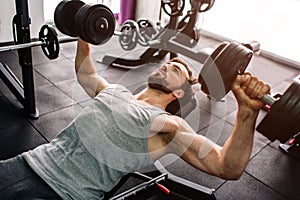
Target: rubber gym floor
[270, 174]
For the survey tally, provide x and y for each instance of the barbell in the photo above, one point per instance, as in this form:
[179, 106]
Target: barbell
[219, 72]
[48, 40]
[93, 23]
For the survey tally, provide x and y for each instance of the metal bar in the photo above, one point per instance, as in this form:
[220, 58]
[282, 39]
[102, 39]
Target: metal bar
[20, 46]
[182, 181]
[139, 187]
[267, 99]
[22, 23]
[33, 44]
[12, 82]
[65, 39]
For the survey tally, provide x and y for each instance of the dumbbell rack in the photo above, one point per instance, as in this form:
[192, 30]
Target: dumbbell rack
[25, 92]
[168, 40]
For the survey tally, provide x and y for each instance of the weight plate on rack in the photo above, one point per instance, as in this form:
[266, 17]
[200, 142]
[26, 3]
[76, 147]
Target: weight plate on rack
[206, 5]
[50, 45]
[128, 38]
[170, 7]
[146, 31]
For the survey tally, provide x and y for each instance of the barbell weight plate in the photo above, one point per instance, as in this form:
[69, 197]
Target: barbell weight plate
[205, 5]
[212, 81]
[275, 123]
[50, 43]
[170, 7]
[128, 38]
[96, 23]
[64, 15]
[147, 31]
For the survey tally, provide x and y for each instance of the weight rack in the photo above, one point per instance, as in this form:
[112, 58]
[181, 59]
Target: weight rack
[25, 92]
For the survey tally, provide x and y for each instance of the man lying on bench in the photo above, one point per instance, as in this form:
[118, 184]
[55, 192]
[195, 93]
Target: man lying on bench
[121, 133]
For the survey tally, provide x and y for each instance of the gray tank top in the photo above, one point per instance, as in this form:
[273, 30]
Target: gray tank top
[107, 140]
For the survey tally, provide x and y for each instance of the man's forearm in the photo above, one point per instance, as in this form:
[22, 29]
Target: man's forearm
[237, 149]
[83, 61]
[86, 73]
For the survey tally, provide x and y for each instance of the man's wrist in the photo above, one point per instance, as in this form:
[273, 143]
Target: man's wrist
[247, 113]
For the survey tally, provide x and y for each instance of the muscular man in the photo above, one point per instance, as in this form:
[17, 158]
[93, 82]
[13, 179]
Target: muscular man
[121, 133]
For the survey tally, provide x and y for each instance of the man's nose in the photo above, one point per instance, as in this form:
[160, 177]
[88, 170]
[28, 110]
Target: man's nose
[164, 67]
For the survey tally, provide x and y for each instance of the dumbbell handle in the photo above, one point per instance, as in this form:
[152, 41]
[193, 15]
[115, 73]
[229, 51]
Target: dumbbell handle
[268, 100]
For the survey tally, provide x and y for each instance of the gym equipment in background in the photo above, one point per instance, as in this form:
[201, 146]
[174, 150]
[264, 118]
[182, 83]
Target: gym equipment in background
[176, 37]
[94, 23]
[23, 92]
[48, 41]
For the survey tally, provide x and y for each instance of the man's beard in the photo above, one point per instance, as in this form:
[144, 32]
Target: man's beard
[157, 82]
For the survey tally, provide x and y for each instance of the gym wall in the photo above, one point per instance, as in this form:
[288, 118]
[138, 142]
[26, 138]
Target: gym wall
[147, 9]
[274, 23]
[7, 12]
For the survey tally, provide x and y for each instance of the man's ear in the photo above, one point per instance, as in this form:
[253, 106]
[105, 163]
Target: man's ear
[179, 93]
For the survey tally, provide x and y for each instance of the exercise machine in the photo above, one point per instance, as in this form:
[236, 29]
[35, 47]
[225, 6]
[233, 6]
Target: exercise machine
[177, 37]
[49, 42]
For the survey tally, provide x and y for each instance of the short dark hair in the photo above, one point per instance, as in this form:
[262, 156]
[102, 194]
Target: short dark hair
[175, 106]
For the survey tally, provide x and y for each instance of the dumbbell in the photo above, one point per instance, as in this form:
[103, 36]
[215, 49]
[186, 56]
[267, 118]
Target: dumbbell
[93, 23]
[282, 121]
[219, 72]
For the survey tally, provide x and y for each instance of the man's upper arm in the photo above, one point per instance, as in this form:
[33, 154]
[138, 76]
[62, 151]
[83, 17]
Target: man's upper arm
[195, 149]
[203, 154]
[86, 72]
[92, 83]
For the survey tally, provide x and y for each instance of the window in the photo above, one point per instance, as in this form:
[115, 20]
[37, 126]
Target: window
[274, 23]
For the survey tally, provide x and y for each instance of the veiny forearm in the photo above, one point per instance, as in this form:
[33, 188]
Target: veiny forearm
[236, 151]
